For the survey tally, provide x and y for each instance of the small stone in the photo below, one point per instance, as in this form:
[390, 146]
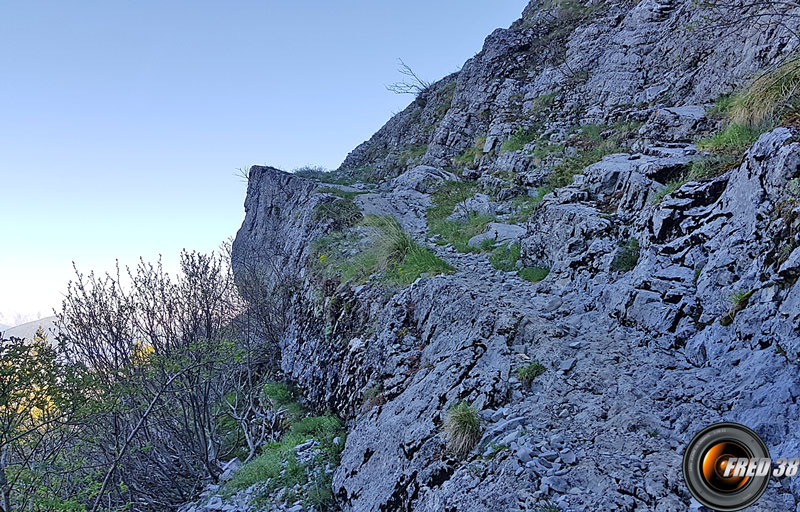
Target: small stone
[567, 364]
[568, 456]
[524, 454]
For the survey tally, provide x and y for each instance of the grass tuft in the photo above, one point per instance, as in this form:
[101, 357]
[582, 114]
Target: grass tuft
[739, 301]
[391, 252]
[463, 429]
[529, 372]
[770, 98]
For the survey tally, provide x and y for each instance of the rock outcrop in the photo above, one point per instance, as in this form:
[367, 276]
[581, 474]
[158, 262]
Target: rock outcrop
[639, 339]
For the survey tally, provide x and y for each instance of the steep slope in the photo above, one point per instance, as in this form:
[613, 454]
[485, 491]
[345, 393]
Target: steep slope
[591, 62]
[671, 300]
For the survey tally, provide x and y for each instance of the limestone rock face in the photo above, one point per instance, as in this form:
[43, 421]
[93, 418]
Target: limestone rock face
[670, 304]
[652, 60]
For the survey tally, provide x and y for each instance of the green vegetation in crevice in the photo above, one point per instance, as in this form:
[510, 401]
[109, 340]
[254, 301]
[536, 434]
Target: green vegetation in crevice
[628, 257]
[533, 274]
[732, 141]
[445, 99]
[412, 154]
[703, 169]
[593, 142]
[278, 467]
[389, 251]
[739, 301]
[527, 373]
[457, 233]
[462, 428]
[519, 139]
[471, 154]
[524, 206]
[788, 214]
[365, 175]
[342, 212]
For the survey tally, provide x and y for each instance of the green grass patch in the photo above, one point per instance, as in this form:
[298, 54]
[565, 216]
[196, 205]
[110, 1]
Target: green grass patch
[722, 107]
[468, 157]
[519, 139]
[277, 466]
[534, 274]
[628, 257]
[505, 258]
[445, 200]
[390, 251]
[412, 153]
[524, 206]
[529, 372]
[733, 140]
[594, 142]
[543, 149]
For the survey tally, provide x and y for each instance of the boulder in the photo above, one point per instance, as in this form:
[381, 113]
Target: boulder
[499, 233]
[422, 178]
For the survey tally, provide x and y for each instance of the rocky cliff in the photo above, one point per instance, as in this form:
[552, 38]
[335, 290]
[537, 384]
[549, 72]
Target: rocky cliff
[670, 299]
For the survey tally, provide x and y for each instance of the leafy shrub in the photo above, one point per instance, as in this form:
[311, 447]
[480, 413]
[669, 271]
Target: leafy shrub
[627, 258]
[519, 139]
[771, 97]
[733, 140]
[529, 372]
[505, 258]
[534, 274]
[463, 429]
[342, 212]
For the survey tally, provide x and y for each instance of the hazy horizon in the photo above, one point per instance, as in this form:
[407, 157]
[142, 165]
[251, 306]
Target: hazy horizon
[124, 123]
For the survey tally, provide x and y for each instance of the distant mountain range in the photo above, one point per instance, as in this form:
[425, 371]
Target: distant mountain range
[28, 329]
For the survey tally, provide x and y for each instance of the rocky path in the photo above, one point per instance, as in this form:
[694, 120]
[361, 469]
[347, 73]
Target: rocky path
[605, 427]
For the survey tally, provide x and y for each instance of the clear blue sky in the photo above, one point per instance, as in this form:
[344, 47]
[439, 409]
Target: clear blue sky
[122, 123]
